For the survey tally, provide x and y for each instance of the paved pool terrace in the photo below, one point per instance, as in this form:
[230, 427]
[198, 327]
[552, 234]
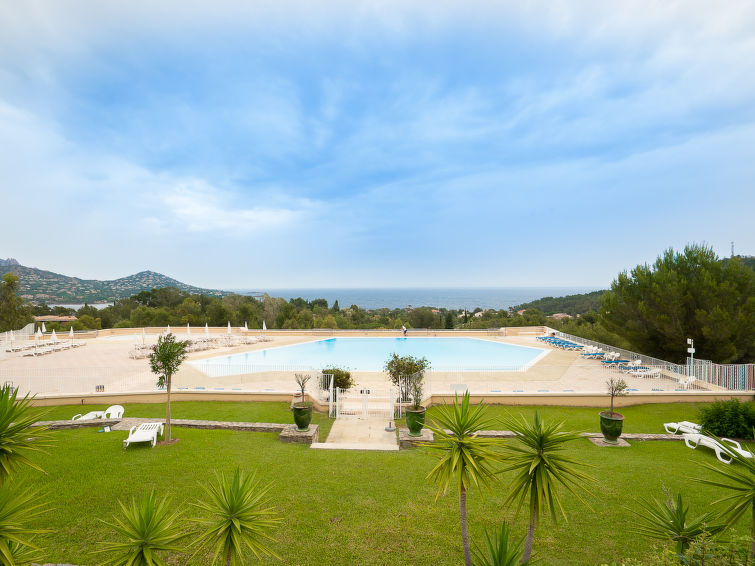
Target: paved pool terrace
[105, 362]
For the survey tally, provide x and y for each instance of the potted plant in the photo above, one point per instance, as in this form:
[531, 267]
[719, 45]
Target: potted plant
[302, 409]
[611, 422]
[415, 413]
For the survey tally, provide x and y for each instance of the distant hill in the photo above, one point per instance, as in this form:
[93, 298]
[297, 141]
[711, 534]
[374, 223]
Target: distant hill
[40, 286]
[570, 304]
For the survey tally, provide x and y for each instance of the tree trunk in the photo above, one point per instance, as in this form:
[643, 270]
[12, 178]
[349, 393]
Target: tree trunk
[228, 557]
[530, 537]
[463, 517]
[752, 533]
[167, 413]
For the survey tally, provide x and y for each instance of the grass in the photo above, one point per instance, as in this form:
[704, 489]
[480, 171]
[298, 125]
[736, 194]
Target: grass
[364, 508]
[201, 410]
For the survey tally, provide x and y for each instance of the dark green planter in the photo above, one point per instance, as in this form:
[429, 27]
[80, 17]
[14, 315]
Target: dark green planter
[611, 426]
[302, 417]
[415, 420]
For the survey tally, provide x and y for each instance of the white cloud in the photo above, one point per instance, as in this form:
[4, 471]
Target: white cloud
[198, 207]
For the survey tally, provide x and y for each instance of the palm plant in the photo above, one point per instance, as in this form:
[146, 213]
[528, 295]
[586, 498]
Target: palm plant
[668, 521]
[500, 549]
[240, 519]
[149, 527]
[16, 508]
[540, 467]
[164, 361]
[18, 436]
[738, 478]
[464, 458]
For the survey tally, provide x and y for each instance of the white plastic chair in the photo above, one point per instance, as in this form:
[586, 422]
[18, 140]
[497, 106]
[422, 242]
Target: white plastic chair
[114, 412]
[686, 382]
[725, 450]
[683, 427]
[145, 432]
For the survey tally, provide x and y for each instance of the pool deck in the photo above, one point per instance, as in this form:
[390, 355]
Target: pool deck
[105, 361]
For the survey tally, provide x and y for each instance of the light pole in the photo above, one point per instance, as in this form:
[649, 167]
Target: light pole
[691, 352]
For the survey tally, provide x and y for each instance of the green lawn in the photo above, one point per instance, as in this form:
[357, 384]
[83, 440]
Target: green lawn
[353, 507]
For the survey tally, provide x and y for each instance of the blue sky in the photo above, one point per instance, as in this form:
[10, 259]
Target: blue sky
[367, 144]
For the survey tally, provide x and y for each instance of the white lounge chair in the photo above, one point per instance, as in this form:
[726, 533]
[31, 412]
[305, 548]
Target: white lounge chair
[725, 450]
[683, 427]
[145, 432]
[114, 412]
[88, 416]
[643, 373]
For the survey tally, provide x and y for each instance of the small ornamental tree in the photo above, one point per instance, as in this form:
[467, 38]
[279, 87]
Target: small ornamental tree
[410, 367]
[397, 366]
[164, 361]
[616, 387]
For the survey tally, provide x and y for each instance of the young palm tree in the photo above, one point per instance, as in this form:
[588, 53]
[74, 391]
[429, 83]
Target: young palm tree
[668, 521]
[165, 359]
[240, 519]
[465, 459]
[500, 549]
[540, 466]
[739, 479]
[17, 508]
[149, 528]
[18, 436]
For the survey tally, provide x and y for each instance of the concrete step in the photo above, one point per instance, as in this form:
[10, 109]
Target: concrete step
[380, 446]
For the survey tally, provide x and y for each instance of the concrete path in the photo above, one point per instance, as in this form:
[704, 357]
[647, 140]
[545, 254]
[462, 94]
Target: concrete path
[351, 433]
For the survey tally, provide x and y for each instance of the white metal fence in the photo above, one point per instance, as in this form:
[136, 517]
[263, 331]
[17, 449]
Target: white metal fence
[366, 402]
[731, 377]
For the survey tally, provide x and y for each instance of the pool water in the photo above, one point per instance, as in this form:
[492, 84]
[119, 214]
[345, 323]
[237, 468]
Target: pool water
[370, 354]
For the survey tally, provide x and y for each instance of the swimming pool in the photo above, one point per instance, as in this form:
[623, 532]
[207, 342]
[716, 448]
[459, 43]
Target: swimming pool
[370, 354]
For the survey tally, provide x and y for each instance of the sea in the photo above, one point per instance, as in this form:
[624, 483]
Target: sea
[449, 298]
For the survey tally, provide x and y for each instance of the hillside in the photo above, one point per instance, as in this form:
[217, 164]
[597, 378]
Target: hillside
[570, 304]
[40, 286]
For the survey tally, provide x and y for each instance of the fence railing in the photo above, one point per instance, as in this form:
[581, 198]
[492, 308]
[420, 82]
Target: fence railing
[732, 377]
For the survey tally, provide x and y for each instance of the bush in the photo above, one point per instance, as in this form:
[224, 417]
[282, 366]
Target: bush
[341, 377]
[729, 418]
[397, 366]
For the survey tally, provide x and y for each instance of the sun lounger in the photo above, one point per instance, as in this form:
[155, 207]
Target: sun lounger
[88, 416]
[145, 432]
[643, 373]
[726, 449]
[683, 427]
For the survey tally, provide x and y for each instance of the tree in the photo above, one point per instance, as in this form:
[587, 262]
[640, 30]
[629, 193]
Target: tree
[738, 478]
[668, 521]
[685, 295]
[164, 361]
[18, 437]
[500, 549]
[15, 313]
[149, 528]
[539, 467]
[396, 366]
[465, 459]
[240, 519]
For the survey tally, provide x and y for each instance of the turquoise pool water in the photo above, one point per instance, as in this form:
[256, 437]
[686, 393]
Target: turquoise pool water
[370, 354]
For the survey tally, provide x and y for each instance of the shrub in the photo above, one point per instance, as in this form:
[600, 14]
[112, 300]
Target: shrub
[397, 366]
[728, 418]
[341, 377]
